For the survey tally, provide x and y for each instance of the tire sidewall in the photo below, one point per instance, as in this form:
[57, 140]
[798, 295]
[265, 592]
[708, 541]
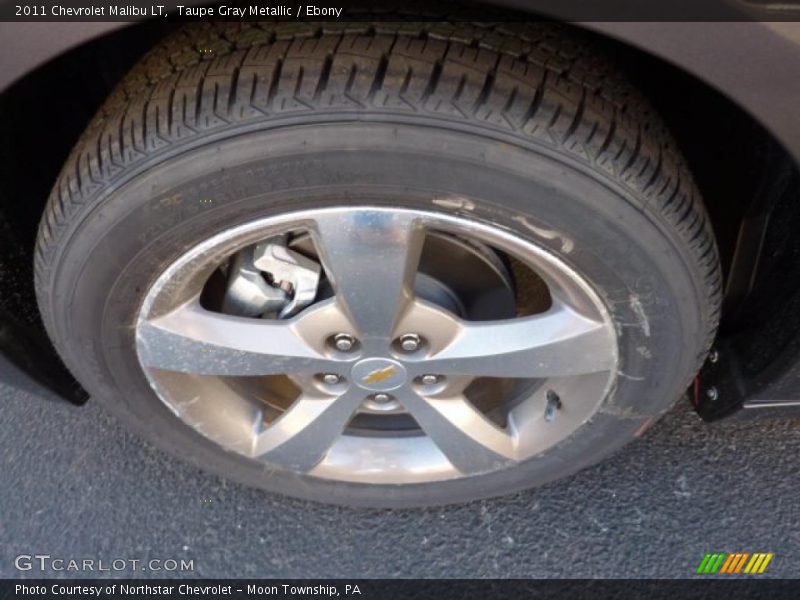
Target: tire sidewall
[634, 261]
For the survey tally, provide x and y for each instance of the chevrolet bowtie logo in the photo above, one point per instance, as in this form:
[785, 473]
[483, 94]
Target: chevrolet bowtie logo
[379, 375]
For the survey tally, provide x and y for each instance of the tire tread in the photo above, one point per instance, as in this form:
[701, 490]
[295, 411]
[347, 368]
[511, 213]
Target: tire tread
[539, 81]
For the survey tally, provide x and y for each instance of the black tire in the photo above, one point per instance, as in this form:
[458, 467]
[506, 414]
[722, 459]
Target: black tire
[506, 123]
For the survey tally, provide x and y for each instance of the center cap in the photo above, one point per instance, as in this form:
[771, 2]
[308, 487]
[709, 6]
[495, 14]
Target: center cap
[378, 374]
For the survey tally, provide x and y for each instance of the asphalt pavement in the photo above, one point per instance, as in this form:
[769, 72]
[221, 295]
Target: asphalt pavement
[75, 485]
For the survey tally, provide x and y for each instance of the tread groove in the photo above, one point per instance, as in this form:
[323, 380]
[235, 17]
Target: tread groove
[542, 82]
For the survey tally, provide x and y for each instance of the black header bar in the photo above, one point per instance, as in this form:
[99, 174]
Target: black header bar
[390, 10]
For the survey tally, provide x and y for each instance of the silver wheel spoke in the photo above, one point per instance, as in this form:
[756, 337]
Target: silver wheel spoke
[558, 343]
[371, 258]
[470, 441]
[301, 437]
[191, 339]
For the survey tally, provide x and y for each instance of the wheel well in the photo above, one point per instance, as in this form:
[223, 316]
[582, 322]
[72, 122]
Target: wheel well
[732, 157]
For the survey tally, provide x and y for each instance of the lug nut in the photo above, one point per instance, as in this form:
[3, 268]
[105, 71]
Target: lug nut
[381, 398]
[712, 394]
[331, 378]
[429, 379]
[410, 342]
[343, 342]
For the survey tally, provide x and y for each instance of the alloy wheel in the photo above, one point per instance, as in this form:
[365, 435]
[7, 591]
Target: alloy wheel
[377, 345]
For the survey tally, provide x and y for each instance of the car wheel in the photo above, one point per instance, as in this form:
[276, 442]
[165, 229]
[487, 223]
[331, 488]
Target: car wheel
[387, 265]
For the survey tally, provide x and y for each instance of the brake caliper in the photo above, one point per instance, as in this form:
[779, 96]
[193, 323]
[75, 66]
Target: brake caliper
[271, 280]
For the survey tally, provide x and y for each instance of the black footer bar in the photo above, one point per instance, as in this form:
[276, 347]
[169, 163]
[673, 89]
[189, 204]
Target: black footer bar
[484, 589]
